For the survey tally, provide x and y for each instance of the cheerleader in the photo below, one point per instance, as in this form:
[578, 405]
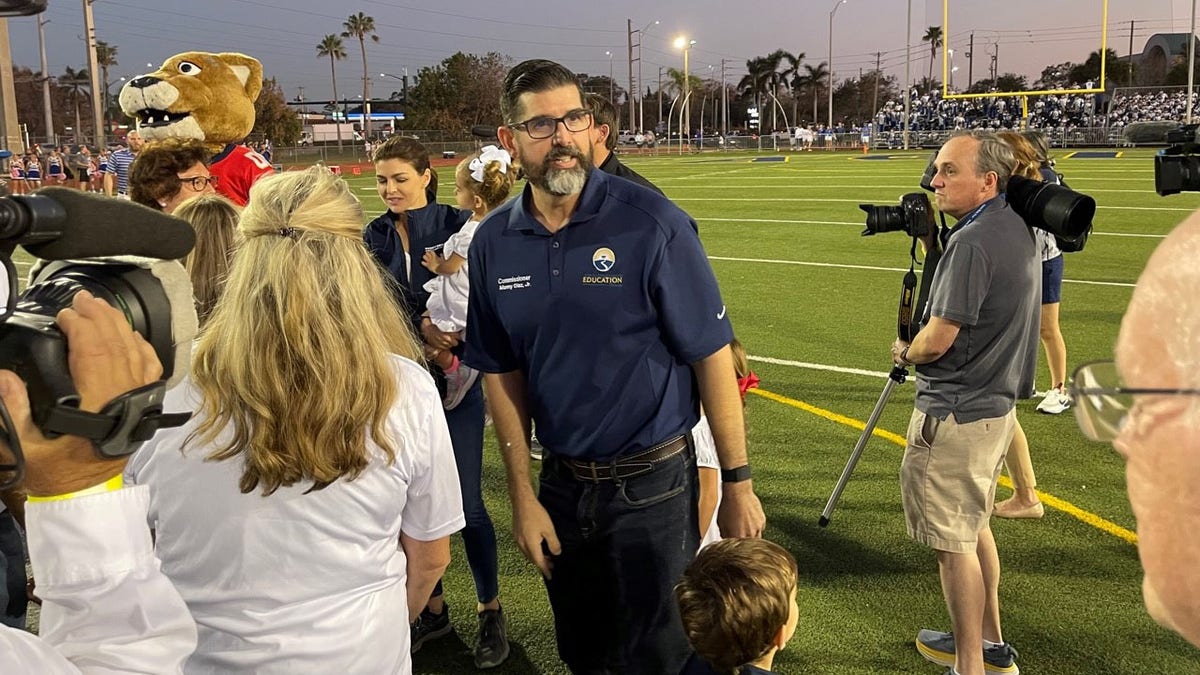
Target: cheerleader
[33, 172]
[16, 181]
[54, 169]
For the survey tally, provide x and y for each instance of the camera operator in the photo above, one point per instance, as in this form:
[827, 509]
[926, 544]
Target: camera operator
[974, 356]
[106, 607]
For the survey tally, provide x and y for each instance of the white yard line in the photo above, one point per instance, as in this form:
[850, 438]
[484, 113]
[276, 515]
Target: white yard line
[874, 268]
[860, 224]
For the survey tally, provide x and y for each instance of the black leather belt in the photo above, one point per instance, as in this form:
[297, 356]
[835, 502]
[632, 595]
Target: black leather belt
[627, 466]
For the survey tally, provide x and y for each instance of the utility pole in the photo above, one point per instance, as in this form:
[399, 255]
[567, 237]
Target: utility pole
[42, 21]
[724, 103]
[971, 62]
[875, 102]
[659, 99]
[89, 25]
[995, 62]
[1129, 80]
[629, 44]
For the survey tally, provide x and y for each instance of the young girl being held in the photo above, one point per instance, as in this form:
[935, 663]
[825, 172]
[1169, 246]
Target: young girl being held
[481, 183]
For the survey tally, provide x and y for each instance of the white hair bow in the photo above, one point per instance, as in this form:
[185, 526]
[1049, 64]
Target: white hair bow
[489, 154]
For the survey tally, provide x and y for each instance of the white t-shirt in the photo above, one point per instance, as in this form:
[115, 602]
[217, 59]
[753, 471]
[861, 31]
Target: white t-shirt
[300, 581]
[706, 458]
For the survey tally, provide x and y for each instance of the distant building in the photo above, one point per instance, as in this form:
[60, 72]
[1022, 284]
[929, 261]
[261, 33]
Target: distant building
[1159, 54]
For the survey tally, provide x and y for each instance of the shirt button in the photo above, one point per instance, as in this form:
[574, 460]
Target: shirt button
[555, 272]
[555, 244]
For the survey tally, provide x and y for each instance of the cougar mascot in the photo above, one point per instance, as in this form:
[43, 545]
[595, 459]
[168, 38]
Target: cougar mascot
[209, 97]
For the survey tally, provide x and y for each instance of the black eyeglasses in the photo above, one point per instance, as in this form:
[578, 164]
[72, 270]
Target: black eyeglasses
[198, 183]
[1102, 401]
[579, 119]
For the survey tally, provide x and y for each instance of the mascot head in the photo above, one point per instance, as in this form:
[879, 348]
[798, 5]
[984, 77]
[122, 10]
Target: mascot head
[209, 97]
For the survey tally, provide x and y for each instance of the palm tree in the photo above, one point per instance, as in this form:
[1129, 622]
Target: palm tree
[776, 76]
[360, 26]
[934, 37]
[106, 56]
[331, 46]
[788, 77]
[814, 77]
[78, 82]
[757, 80]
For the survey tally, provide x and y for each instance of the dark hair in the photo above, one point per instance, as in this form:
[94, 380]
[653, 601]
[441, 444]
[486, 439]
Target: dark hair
[603, 113]
[409, 150]
[733, 599]
[154, 175]
[533, 76]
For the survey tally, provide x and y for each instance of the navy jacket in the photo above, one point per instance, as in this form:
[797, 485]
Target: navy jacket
[428, 229]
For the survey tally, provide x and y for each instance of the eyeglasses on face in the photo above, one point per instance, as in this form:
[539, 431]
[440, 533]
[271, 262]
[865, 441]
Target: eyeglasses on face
[579, 119]
[198, 183]
[1102, 402]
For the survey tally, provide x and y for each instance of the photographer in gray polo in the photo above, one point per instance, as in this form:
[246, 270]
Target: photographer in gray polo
[974, 356]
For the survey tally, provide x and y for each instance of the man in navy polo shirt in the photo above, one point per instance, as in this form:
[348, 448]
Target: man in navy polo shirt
[594, 312]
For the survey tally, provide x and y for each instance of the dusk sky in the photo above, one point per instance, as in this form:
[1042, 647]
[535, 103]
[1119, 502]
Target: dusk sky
[283, 34]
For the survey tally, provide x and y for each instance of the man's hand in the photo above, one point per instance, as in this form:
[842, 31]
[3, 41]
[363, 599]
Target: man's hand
[437, 338]
[531, 527]
[106, 358]
[898, 348]
[740, 513]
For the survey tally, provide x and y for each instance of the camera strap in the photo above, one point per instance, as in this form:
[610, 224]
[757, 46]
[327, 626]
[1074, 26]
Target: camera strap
[908, 292]
[123, 425]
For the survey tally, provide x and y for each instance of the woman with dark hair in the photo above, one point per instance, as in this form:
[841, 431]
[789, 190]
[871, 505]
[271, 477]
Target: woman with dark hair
[414, 224]
[170, 171]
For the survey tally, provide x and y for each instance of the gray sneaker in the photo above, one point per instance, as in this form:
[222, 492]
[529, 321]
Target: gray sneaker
[492, 649]
[938, 647]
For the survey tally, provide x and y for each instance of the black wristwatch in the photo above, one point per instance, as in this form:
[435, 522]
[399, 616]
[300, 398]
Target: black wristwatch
[737, 475]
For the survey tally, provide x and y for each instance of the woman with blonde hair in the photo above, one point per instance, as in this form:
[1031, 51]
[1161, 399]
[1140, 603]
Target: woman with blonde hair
[1025, 502]
[215, 219]
[304, 512]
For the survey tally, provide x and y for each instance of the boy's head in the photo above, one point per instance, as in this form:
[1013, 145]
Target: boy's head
[737, 601]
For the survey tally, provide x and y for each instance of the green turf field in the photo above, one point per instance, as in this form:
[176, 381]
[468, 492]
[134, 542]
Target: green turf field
[806, 292]
[808, 295]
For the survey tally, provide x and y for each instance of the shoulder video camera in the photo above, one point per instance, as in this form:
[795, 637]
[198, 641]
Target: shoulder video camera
[81, 233]
[1177, 167]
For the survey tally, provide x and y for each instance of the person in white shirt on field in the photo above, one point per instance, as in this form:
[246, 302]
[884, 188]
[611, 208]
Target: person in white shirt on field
[304, 512]
[106, 607]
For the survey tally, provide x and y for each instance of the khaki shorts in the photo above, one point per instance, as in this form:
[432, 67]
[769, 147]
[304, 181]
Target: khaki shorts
[948, 478]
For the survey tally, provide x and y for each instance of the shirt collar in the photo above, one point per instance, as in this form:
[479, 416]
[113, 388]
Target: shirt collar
[975, 213]
[520, 218]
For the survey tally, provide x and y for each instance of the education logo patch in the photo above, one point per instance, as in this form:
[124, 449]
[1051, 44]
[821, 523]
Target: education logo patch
[604, 259]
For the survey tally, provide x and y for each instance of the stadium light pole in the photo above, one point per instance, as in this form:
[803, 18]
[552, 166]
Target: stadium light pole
[611, 97]
[1191, 65]
[839, 3]
[642, 87]
[685, 44]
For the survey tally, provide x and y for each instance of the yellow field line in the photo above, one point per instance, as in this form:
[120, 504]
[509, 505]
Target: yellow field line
[1048, 499]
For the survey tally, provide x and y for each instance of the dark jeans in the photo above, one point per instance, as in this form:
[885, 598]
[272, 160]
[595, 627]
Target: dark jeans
[12, 568]
[625, 544]
[479, 536]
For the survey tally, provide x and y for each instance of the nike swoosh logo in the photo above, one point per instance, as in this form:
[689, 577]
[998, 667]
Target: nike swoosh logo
[721, 314]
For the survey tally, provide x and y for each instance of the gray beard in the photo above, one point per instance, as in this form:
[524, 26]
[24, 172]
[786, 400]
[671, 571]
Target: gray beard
[564, 182]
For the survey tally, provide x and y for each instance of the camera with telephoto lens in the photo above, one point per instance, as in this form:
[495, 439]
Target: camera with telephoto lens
[1177, 167]
[121, 252]
[914, 215]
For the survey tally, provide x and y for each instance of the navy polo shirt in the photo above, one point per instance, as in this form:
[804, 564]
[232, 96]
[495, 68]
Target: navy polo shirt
[604, 317]
[428, 229]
